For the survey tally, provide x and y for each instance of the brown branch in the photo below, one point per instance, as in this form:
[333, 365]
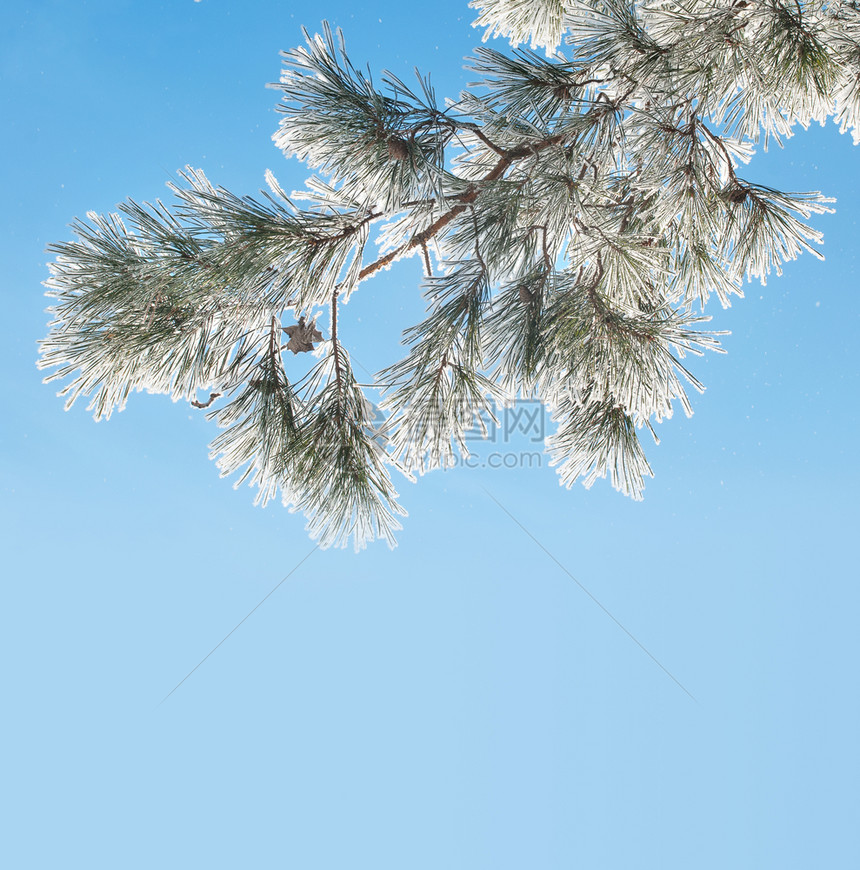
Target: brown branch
[474, 128]
[317, 238]
[427, 260]
[545, 246]
[596, 301]
[466, 199]
[718, 141]
[441, 370]
[541, 228]
[628, 214]
[491, 145]
[335, 345]
[478, 256]
[581, 84]
[206, 404]
[506, 159]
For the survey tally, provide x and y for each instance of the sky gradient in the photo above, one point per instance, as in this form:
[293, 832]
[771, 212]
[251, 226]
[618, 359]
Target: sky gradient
[509, 688]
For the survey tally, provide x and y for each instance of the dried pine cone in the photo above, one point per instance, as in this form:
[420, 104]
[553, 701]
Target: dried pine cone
[398, 149]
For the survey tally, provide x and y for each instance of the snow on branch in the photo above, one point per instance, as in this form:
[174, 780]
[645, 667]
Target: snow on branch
[574, 212]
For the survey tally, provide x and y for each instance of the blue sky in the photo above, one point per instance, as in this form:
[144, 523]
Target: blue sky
[458, 702]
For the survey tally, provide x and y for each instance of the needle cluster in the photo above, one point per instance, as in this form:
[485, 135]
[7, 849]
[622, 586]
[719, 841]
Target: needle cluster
[575, 210]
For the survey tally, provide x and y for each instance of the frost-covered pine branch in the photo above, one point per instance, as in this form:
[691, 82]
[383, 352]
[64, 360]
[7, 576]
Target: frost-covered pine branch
[574, 210]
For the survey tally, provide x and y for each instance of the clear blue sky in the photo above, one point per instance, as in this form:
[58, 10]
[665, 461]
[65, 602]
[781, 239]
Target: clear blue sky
[459, 702]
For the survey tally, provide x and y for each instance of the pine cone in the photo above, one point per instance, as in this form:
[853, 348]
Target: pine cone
[398, 149]
[302, 336]
[736, 194]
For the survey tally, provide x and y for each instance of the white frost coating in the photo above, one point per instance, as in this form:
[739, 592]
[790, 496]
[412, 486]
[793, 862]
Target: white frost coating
[539, 22]
[581, 209]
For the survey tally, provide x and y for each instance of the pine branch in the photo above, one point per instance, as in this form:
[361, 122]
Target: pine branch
[465, 200]
[580, 205]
